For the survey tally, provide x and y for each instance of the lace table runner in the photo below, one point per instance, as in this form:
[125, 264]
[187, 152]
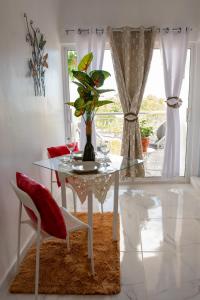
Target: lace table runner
[99, 183]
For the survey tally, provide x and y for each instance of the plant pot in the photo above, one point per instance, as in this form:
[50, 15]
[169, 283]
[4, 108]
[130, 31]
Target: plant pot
[89, 154]
[145, 144]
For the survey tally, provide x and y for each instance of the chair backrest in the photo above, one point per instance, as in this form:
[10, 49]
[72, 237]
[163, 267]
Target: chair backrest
[52, 221]
[58, 151]
[26, 200]
[161, 131]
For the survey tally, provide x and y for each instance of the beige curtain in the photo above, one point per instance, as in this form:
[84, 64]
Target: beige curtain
[131, 52]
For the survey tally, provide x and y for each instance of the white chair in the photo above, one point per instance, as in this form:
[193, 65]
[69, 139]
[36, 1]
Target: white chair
[72, 224]
[53, 181]
[61, 150]
[159, 143]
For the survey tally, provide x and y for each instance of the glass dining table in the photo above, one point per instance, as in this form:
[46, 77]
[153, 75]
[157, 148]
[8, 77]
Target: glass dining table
[90, 183]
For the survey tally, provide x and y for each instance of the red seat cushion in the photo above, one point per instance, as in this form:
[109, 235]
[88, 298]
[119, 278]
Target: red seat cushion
[52, 220]
[58, 151]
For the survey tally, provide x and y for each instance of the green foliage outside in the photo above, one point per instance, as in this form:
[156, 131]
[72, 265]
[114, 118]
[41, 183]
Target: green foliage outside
[71, 62]
[145, 130]
[152, 103]
[152, 112]
[112, 107]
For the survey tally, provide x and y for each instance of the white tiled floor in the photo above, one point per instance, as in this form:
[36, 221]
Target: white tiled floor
[160, 244]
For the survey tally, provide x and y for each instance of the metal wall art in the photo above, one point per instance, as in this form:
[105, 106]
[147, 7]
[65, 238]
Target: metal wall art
[38, 63]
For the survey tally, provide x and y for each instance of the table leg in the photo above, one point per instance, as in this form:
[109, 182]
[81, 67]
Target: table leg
[115, 206]
[63, 190]
[90, 209]
[90, 218]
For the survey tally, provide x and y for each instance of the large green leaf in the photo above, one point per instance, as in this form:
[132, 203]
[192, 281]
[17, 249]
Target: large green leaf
[78, 83]
[85, 62]
[92, 89]
[91, 104]
[103, 102]
[98, 78]
[79, 104]
[89, 107]
[79, 113]
[70, 103]
[104, 91]
[106, 74]
[84, 93]
[83, 77]
[87, 88]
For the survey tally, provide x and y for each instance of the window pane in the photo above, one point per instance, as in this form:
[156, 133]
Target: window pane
[71, 57]
[72, 65]
[109, 118]
[110, 83]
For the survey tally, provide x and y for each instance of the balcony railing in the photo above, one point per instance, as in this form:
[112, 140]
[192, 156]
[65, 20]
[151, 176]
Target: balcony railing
[110, 125]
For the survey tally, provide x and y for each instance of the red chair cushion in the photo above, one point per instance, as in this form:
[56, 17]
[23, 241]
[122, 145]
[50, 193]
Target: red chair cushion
[58, 151]
[52, 220]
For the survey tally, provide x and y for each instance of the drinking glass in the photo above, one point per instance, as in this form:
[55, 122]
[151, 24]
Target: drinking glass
[105, 149]
[71, 144]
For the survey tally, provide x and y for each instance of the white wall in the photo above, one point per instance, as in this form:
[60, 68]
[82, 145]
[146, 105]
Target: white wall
[28, 124]
[129, 12]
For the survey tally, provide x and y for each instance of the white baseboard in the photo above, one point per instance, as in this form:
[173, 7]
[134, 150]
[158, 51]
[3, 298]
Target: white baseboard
[11, 270]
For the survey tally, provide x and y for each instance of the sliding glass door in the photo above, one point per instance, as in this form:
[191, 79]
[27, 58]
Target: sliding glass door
[109, 119]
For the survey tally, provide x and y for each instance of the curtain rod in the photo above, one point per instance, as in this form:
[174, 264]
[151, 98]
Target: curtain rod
[101, 30]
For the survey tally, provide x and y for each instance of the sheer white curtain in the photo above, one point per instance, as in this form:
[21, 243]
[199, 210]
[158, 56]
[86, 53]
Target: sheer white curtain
[90, 41]
[174, 46]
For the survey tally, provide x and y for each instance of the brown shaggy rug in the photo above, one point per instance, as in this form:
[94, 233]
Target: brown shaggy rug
[69, 273]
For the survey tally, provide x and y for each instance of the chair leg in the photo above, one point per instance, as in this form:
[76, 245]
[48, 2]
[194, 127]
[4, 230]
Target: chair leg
[74, 199]
[92, 264]
[102, 208]
[51, 182]
[90, 249]
[19, 235]
[73, 195]
[37, 266]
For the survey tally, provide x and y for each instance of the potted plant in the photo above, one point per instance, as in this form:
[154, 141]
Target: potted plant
[88, 101]
[145, 132]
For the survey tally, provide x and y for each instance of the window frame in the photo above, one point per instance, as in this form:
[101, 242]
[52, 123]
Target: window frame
[66, 91]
